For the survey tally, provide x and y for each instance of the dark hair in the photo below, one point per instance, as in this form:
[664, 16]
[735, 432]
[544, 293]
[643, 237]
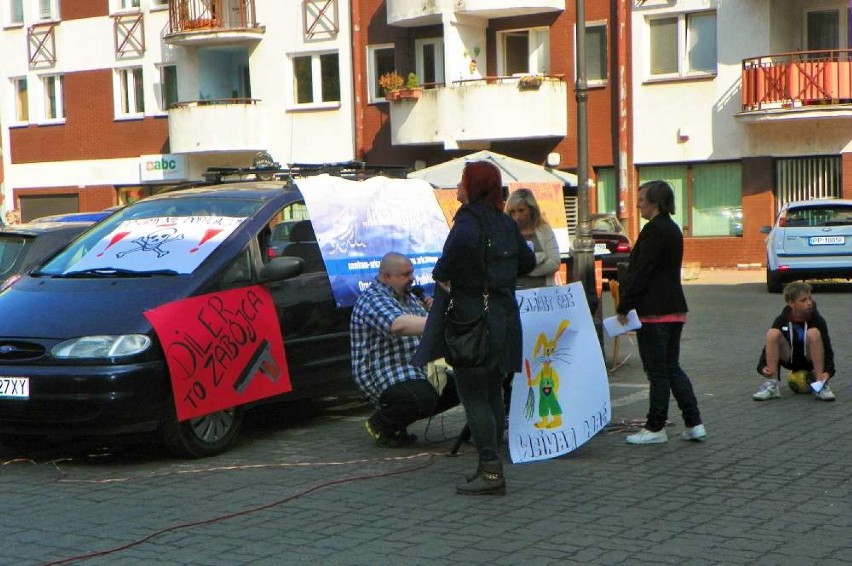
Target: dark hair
[483, 183]
[660, 193]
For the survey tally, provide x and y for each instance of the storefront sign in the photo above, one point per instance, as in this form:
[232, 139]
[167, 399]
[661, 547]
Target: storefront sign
[163, 167]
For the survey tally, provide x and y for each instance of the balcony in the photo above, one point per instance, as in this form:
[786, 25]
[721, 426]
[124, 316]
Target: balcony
[212, 22]
[471, 113]
[408, 13]
[206, 126]
[797, 85]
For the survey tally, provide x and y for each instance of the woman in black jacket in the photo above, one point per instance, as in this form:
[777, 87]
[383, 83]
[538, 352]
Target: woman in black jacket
[461, 272]
[653, 288]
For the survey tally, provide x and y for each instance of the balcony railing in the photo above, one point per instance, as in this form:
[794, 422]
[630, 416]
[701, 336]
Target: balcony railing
[462, 115]
[186, 16]
[791, 80]
[206, 126]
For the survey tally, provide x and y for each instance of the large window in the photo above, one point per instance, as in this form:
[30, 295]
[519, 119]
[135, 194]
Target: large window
[708, 196]
[316, 78]
[168, 87]
[683, 45]
[823, 29]
[131, 92]
[380, 60]
[22, 104]
[523, 52]
[596, 60]
[54, 101]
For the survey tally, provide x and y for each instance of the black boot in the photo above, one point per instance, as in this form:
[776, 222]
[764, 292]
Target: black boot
[470, 477]
[490, 480]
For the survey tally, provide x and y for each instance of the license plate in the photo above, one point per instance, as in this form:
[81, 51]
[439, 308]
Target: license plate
[14, 387]
[827, 240]
[601, 249]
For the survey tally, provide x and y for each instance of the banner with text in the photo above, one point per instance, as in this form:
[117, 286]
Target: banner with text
[561, 398]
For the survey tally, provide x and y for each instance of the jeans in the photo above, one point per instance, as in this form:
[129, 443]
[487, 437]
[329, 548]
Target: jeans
[481, 393]
[403, 403]
[659, 348]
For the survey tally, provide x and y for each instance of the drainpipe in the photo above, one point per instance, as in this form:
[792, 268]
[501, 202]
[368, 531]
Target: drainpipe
[623, 159]
[358, 83]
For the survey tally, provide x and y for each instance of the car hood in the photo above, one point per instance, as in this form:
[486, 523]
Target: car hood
[38, 307]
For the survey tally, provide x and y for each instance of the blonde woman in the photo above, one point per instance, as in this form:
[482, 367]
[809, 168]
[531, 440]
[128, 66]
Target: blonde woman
[524, 210]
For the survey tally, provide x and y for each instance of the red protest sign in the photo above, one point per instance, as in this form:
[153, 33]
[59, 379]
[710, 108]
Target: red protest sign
[223, 349]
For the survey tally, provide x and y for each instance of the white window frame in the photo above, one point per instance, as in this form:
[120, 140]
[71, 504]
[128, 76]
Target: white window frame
[538, 50]
[125, 83]
[606, 55]
[46, 10]
[16, 119]
[374, 94]
[9, 18]
[56, 84]
[420, 64]
[681, 41]
[316, 81]
[161, 92]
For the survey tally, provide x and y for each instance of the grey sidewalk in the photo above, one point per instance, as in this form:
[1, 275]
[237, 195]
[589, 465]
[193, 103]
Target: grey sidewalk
[770, 485]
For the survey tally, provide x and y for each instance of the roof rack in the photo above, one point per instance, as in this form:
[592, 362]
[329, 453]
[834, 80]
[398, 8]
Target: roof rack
[347, 169]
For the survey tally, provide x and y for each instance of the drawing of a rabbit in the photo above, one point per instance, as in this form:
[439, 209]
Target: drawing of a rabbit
[549, 410]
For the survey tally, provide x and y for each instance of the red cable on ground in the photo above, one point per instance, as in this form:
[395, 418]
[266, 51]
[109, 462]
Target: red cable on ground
[240, 513]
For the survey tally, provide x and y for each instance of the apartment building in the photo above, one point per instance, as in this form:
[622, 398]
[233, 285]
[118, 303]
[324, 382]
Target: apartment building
[743, 125]
[108, 101]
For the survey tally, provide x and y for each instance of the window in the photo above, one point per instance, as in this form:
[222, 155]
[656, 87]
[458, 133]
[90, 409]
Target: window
[22, 104]
[168, 86]
[48, 9]
[16, 12]
[823, 30]
[54, 102]
[429, 60]
[131, 91]
[129, 4]
[380, 60]
[524, 52]
[596, 61]
[316, 78]
[683, 45]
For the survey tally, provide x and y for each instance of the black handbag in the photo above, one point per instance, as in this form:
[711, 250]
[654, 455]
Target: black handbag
[467, 342]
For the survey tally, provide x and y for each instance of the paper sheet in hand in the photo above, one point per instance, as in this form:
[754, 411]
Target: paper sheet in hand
[817, 386]
[614, 328]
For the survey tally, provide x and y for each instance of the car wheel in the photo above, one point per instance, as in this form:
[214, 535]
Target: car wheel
[773, 281]
[203, 436]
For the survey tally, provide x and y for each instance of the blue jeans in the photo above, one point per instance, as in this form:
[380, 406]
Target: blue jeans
[659, 348]
[481, 392]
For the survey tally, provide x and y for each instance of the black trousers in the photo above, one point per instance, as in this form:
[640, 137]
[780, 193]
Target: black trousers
[406, 402]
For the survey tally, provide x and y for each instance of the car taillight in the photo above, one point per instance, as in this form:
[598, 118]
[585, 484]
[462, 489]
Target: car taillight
[270, 253]
[782, 220]
[622, 247]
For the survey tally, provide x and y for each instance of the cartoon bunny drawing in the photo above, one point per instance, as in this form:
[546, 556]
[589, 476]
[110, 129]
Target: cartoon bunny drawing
[547, 380]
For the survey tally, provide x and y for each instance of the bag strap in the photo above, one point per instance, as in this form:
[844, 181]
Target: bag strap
[485, 244]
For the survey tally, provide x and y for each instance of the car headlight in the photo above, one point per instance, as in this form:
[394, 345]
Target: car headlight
[102, 346]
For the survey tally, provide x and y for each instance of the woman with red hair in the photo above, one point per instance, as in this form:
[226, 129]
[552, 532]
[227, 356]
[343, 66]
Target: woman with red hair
[480, 227]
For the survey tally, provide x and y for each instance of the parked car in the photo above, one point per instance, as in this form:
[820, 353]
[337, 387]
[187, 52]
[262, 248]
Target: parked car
[22, 246]
[96, 216]
[612, 246]
[810, 240]
[92, 362]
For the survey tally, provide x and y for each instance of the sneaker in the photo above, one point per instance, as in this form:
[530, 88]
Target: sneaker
[398, 439]
[645, 436]
[768, 390]
[825, 394]
[696, 432]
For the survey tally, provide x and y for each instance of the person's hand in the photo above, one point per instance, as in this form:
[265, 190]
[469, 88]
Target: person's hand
[622, 319]
[428, 302]
[824, 377]
[767, 372]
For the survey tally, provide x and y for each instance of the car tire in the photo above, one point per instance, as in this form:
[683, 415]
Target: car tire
[203, 436]
[774, 283]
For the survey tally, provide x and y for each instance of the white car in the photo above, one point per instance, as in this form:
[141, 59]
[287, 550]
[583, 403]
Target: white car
[810, 240]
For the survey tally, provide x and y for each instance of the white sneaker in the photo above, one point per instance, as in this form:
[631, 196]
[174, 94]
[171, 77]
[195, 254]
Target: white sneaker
[825, 394]
[768, 390]
[645, 436]
[696, 432]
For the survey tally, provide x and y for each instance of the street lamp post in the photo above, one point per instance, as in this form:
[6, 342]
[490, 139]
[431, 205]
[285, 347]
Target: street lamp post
[584, 246]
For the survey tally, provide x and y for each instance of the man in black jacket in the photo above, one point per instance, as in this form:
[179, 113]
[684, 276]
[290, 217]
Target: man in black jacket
[798, 341]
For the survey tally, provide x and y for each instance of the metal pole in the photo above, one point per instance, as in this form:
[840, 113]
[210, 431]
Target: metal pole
[584, 246]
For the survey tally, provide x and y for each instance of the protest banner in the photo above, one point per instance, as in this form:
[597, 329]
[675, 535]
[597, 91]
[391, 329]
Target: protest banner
[222, 349]
[358, 222]
[560, 400]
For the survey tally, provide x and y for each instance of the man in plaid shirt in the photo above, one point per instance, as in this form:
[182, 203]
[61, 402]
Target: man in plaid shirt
[385, 330]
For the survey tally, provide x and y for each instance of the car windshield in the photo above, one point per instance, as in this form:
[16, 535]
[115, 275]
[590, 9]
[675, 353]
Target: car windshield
[11, 248]
[169, 236]
[817, 216]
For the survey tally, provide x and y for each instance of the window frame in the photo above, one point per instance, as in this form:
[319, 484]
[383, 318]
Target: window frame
[605, 55]
[9, 17]
[122, 91]
[538, 45]
[420, 63]
[681, 46]
[374, 91]
[316, 79]
[16, 99]
[53, 89]
[52, 13]
[161, 98]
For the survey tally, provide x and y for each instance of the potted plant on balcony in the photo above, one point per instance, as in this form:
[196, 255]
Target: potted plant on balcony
[411, 89]
[530, 82]
[391, 83]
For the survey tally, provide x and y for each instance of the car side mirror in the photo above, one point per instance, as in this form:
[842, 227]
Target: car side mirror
[765, 229]
[280, 268]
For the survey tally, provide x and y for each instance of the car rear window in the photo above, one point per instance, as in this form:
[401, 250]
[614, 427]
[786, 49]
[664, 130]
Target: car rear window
[12, 253]
[816, 216]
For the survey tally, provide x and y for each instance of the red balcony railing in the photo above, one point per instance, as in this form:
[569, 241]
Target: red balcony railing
[193, 15]
[797, 79]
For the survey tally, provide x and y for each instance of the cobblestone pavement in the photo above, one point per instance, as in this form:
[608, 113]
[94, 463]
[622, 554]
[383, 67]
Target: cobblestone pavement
[770, 486]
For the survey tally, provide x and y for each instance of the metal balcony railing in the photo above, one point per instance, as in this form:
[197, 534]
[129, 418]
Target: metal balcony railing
[195, 15]
[803, 78]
